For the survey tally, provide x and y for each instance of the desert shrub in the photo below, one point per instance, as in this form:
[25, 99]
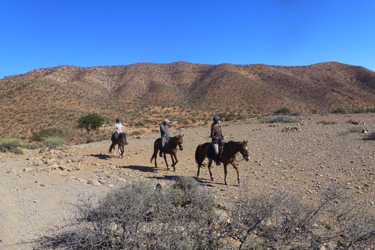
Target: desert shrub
[184, 215]
[43, 133]
[138, 125]
[9, 143]
[338, 111]
[356, 129]
[142, 216]
[16, 151]
[31, 145]
[53, 141]
[280, 118]
[370, 136]
[326, 122]
[281, 218]
[282, 111]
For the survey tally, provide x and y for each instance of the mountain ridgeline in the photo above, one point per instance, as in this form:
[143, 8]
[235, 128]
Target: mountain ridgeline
[58, 96]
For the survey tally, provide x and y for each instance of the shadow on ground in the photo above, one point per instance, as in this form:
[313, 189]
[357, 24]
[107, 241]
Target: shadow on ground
[101, 156]
[140, 168]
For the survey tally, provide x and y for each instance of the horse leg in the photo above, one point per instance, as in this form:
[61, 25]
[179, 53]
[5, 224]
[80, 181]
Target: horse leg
[154, 155]
[174, 161]
[225, 173]
[238, 172]
[209, 169]
[121, 150]
[165, 159]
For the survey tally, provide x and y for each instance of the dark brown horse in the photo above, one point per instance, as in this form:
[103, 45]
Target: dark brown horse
[228, 156]
[170, 148]
[121, 142]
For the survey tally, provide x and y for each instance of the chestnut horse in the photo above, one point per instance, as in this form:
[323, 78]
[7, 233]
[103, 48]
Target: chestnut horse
[121, 142]
[170, 148]
[231, 148]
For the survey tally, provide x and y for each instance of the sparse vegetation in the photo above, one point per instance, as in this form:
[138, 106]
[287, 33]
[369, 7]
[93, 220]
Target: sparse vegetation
[184, 215]
[280, 118]
[53, 141]
[338, 111]
[44, 133]
[326, 122]
[282, 111]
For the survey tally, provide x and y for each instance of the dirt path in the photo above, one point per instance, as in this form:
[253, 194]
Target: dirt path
[37, 189]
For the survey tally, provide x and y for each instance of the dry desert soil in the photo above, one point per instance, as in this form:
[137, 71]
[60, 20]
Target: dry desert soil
[39, 188]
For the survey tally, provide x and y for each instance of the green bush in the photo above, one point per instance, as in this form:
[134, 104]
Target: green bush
[43, 133]
[326, 123]
[338, 111]
[280, 118]
[53, 141]
[31, 145]
[282, 111]
[9, 143]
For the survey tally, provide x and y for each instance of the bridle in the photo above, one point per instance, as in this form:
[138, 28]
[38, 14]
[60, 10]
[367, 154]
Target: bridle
[244, 153]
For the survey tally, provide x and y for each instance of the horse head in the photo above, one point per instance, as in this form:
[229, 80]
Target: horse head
[180, 140]
[122, 139]
[244, 150]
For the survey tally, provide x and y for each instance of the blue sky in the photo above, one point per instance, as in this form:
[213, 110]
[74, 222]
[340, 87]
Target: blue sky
[47, 33]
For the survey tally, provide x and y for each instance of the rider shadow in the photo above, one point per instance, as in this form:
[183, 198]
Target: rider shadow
[204, 182]
[140, 168]
[101, 156]
[165, 177]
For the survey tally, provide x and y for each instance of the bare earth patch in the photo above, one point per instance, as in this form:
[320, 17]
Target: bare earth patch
[38, 190]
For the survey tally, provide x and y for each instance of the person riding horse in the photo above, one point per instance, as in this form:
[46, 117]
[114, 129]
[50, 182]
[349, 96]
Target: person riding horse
[164, 132]
[118, 130]
[217, 138]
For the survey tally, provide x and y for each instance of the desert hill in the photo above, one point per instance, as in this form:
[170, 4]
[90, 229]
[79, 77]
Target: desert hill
[145, 93]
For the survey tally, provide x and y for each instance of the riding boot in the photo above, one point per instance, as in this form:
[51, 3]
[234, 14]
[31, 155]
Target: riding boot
[161, 152]
[217, 160]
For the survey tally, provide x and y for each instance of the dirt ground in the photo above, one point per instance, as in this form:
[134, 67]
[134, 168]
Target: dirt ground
[38, 189]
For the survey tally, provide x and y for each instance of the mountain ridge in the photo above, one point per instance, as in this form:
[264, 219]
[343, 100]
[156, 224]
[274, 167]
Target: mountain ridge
[58, 96]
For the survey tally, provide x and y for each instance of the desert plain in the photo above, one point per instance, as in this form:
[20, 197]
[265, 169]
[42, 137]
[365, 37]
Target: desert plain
[38, 189]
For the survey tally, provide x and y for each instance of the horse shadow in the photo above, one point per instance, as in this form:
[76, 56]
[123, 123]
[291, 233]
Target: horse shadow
[101, 156]
[140, 168]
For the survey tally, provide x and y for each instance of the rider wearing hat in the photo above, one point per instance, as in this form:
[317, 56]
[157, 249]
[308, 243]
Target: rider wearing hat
[217, 137]
[164, 132]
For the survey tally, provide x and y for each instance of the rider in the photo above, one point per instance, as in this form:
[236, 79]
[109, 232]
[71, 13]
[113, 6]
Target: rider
[118, 129]
[164, 132]
[217, 138]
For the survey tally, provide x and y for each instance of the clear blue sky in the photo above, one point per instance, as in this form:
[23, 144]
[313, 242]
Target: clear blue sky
[48, 33]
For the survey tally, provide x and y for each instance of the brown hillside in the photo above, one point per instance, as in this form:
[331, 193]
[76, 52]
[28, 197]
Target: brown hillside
[184, 92]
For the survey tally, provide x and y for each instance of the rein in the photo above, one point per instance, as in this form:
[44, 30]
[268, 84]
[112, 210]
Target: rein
[243, 158]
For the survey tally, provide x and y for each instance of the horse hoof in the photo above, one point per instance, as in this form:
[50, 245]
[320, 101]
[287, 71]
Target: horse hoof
[226, 183]
[212, 179]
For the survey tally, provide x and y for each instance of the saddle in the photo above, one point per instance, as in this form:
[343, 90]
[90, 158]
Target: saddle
[211, 152]
[166, 143]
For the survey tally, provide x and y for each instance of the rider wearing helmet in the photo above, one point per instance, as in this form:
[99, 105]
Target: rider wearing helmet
[164, 132]
[217, 137]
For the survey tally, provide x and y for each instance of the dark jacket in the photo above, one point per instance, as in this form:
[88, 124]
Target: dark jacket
[216, 133]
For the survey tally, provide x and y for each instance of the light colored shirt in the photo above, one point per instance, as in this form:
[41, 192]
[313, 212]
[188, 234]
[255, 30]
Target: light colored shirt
[118, 127]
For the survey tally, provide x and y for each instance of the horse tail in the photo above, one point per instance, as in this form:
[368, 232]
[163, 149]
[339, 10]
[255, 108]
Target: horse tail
[197, 155]
[111, 148]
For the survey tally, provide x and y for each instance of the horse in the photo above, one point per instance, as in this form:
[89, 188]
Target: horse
[121, 142]
[231, 148]
[170, 148]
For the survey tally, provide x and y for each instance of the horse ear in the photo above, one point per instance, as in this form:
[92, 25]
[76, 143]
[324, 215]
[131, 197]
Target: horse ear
[182, 135]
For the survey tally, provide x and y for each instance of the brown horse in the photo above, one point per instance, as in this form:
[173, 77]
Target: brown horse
[170, 148]
[228, 156]
[121, 142]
